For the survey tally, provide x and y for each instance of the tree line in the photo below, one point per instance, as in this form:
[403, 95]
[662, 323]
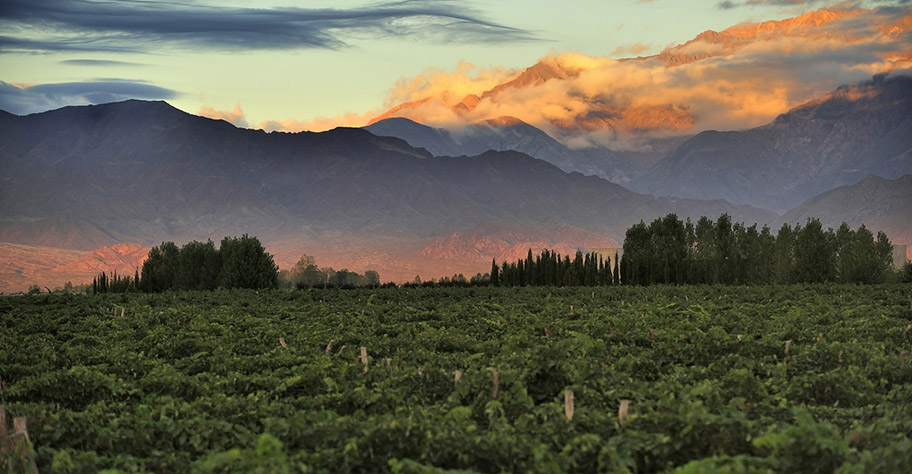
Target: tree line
[238, 262]
[666, 251]
[306, 274]
[551, 269]
[672, 251]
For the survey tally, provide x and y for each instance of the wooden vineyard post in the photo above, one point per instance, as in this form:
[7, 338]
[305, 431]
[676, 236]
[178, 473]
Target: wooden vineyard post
[282, 343]
[568, 404]
[622, 411]
[389, 367]
[364, 357]
[15, 449]
[329, 347]
[4, 438]
[456, 376]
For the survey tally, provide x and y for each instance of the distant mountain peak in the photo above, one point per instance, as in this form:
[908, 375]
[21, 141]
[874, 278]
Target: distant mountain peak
[731, 39]
[548, 68]
[505, 121]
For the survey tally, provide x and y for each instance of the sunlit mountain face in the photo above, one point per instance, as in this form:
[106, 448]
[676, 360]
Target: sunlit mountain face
[737, 78]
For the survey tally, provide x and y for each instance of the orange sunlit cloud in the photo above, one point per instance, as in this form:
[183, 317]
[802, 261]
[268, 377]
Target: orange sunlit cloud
[235, 116]
[318, 124]
[739, 78]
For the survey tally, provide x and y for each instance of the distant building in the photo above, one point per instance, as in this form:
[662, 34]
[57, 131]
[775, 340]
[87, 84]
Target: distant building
[899, 256]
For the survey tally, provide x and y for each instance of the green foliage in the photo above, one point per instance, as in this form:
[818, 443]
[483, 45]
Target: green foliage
[550, 269]
[245, 264]
[200, 382]
[240, 262]
[906, 275]
[306, 274]
[805, 445]
[669, 251]
[198, 266]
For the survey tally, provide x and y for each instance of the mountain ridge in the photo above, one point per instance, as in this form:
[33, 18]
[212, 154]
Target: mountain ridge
[88, 177]
[827, 142]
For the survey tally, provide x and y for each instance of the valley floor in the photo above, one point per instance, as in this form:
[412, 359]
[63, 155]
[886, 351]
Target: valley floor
[695, 379]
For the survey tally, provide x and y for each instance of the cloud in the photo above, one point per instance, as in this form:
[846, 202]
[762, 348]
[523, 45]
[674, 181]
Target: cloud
[238, 118]
[23, 99]
[723, 82]
[97, 62]
[317, 124]
[634, 49]
[447, 86]
[86, 25]
[727, 4]
[235, 116]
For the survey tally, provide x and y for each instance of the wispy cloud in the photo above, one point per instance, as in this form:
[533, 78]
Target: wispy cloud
[98, 63]
[728, 4]
[134, 26]
[25, 99]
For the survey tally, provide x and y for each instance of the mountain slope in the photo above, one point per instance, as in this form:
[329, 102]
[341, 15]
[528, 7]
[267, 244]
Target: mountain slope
[829, 142]
[508, 133]
[878, 203]
[86, 177]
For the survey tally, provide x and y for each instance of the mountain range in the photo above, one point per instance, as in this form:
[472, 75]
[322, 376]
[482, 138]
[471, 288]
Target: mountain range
[510, 133]
[86, 177]
[828, 142]
[565, 154]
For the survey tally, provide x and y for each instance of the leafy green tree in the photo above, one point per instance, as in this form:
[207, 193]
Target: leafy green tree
[160, 267]
[638, 255]
[306, 274]
[372, 279]
[815, 254]
[906, 275]
[198, 268]
[245, 264]
[669, 242]
[784, 253]
[705, 267]
[725, 246]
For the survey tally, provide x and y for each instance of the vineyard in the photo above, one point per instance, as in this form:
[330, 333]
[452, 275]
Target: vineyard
[609, 379]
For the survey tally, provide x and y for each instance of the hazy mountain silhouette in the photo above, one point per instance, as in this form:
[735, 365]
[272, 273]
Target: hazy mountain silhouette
[135, 171]
[509, 133]
[880, 204]
[833, 141]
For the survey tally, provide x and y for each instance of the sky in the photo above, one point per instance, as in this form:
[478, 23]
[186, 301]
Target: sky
[317, 64]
